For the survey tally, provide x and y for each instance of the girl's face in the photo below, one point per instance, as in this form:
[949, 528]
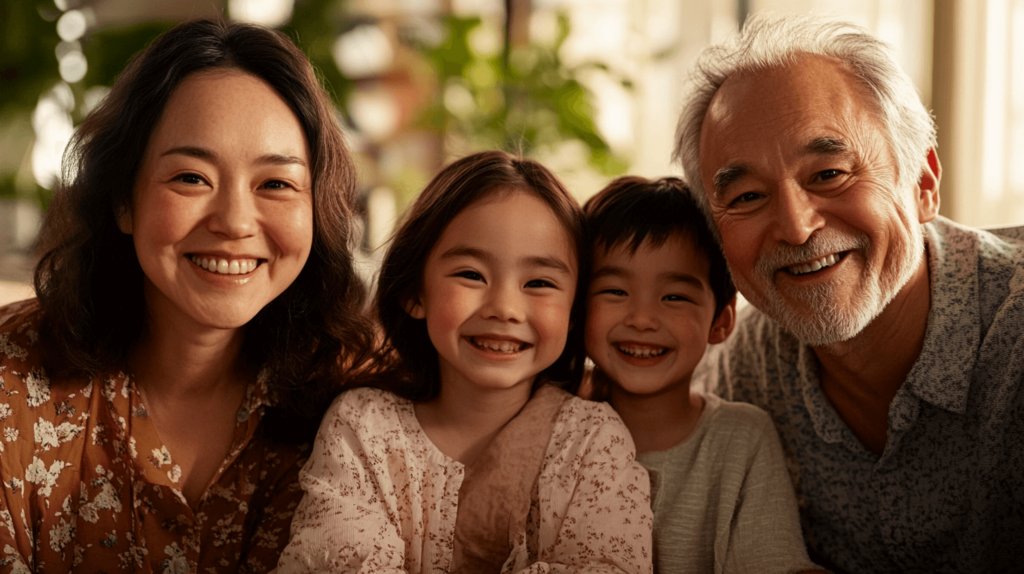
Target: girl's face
[497, 292]
[222, 215]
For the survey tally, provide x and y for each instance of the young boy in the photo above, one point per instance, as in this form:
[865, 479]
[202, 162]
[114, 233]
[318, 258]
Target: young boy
[660, 292]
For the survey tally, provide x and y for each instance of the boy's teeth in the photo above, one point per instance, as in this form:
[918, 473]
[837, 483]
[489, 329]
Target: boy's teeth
[225, 266]
[814, 265]
[642, 351]
[500, 346]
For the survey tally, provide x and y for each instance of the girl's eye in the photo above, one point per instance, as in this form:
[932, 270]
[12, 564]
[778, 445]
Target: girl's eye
[537, 283]
[471, 275]
[190, 179]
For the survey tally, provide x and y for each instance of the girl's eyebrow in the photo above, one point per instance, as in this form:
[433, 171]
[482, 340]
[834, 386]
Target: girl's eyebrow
[547, 261]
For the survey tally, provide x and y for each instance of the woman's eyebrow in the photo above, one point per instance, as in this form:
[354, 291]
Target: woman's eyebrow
[208, 154]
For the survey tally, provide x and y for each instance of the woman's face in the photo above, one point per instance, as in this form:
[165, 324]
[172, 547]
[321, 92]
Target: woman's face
[222, 215]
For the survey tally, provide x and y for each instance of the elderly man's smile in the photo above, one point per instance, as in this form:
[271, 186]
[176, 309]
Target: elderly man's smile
[816, 265]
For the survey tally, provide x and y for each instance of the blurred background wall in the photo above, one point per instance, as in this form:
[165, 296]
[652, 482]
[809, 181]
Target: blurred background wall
[590, 87]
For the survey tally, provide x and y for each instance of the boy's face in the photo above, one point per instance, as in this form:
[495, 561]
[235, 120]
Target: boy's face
[651, 314]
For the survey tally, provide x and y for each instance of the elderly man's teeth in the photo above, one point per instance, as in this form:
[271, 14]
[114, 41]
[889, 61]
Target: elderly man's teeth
[225, 266]
[814, 265]
[642, 351]
[499, 346]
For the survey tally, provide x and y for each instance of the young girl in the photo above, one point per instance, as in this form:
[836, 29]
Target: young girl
[467, 456]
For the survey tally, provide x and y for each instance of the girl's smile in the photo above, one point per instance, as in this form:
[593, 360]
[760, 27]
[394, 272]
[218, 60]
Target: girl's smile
[497, 292]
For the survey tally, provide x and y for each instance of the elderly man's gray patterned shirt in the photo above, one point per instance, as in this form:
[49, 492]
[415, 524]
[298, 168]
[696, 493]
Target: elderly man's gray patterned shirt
[947, 493]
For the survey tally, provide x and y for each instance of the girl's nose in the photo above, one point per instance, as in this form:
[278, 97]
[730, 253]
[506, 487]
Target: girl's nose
[505, 303]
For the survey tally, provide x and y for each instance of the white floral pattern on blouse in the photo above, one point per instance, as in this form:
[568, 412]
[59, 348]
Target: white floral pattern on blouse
[88, 486]
[380, 497]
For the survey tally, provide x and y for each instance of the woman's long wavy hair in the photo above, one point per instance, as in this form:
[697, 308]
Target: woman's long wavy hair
[89, 281]
[407, 363]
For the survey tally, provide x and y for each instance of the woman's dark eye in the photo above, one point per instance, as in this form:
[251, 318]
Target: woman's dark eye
[190, 178]
[276, 184]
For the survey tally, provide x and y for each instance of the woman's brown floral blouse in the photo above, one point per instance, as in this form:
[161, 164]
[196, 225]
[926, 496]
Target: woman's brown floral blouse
[89, 486]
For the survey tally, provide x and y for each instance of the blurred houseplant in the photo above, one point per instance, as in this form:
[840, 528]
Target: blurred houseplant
[519, 96]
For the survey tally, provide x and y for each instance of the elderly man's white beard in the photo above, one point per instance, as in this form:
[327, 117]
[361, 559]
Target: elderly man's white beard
[827, 319]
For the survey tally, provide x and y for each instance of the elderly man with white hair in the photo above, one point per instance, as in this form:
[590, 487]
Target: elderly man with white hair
[885, 340]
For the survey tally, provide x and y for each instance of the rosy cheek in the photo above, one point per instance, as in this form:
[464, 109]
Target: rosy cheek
[292, 227]
[555, 316]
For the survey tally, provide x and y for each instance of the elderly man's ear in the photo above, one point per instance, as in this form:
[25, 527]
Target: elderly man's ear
[927, 198]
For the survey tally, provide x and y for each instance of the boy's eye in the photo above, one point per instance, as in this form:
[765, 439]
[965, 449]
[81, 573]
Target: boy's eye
[471, 275]
[675, 298]
[538, 283]
[615, 292]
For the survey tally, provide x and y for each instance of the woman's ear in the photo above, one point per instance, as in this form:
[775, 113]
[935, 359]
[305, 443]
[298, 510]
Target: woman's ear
[414, 308]
[124, 219]
[723, 325]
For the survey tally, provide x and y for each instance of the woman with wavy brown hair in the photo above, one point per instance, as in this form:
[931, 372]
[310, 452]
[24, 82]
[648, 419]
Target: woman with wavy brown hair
[197, 309]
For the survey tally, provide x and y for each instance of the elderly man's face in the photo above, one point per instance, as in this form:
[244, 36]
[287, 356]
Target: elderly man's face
[802, 186]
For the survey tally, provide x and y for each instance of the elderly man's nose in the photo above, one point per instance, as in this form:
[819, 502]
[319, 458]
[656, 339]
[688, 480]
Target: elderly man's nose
[796, 214]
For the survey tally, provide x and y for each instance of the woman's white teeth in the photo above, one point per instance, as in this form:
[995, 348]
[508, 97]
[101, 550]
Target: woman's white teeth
[500, 346]
[642, 351]
[814, 265]
[225, 266]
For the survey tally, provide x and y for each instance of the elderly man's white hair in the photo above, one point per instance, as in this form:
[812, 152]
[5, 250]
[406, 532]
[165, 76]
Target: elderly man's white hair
[770, 41]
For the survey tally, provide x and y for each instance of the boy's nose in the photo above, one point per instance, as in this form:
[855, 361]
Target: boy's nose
[642, 317]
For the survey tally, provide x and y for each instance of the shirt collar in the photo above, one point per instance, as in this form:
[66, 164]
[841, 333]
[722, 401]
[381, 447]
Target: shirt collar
[257, 395]
[942, 373]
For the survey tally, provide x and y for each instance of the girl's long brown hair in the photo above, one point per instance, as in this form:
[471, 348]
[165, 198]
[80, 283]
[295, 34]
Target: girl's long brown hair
[407, 363]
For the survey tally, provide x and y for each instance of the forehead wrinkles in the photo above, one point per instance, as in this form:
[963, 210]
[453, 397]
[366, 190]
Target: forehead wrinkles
[773, 114]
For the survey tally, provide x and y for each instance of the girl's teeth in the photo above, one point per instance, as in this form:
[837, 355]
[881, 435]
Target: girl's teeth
[501, 346]
[224, 266]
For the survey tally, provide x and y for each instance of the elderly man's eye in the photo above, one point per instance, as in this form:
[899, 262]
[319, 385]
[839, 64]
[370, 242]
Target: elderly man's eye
[828, 174]
[746, 198]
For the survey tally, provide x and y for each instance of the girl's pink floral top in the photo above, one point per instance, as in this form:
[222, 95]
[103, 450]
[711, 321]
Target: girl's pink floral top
[380, 497]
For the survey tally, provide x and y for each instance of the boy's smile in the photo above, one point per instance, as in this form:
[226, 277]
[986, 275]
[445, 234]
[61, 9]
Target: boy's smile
[650, 314]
